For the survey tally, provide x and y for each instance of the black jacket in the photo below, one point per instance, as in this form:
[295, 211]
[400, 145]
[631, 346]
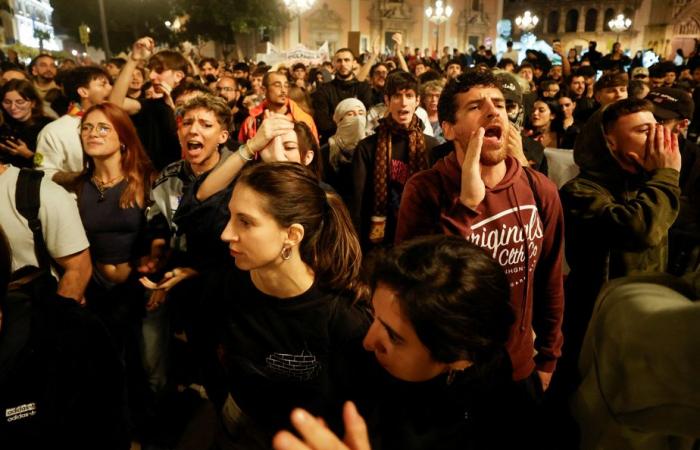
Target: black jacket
[327, 97]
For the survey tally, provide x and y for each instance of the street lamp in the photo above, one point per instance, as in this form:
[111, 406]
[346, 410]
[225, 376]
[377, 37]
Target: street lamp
[297, 8]
[620, 24]
[527, 22]
[438, 15]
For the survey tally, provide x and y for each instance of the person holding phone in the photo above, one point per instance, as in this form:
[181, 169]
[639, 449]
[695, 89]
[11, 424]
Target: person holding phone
[23, 115]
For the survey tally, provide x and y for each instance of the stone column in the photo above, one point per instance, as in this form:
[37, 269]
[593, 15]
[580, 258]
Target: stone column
[581, 25]
[562, 20]
[355, 15]
[600, 22]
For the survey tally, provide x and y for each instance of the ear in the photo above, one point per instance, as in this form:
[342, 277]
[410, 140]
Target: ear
[308, 157]
[83, 92]
[295, 234]
[223, 136]
[683, 125]
[447, 130]
[596, 95]
[386, 100]
[610, 141]
[179, 75]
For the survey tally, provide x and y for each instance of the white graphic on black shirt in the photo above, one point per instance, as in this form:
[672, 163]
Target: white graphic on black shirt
[302, 367]
[20, 412]
[505, 237]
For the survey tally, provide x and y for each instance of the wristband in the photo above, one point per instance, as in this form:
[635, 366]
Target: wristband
[244, 157]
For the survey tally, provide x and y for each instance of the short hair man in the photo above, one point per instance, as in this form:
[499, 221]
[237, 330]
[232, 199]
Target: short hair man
[154, 118]
[485, 195]
[377, 78]
[59, 151]
[549, 89]
[113, 67]
[344, 85]
[610, 88]
[383, 162]
[43, 69]
[277, 101]
[207, 67]
[619, 209]
[452, 69]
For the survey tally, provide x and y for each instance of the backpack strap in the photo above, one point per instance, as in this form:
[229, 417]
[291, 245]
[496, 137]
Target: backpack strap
[27, 202]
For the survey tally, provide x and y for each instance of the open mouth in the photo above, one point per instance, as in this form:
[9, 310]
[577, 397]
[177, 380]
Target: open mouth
[493, 131]
[493, 136]
[194, 145]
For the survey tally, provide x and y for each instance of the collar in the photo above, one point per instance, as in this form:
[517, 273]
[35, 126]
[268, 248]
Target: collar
[75, 110]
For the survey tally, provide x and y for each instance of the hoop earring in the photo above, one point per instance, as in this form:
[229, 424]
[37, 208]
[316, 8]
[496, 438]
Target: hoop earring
[286, 253]
[451, 376]
[122, 147]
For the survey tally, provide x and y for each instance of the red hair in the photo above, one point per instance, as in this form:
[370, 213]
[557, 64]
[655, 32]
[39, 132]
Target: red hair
[136, 166]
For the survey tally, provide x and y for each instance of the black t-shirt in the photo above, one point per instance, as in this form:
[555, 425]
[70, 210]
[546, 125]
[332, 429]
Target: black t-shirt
[157, 129]
[277, 354]
[27, 132]
[115, 233]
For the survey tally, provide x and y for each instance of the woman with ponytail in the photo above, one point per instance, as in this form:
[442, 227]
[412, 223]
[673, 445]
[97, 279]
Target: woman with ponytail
[281, 324]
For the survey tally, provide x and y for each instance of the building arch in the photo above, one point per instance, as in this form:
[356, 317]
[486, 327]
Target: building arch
[609, 15]
[571, 21]
[553, 22]
[591, 20]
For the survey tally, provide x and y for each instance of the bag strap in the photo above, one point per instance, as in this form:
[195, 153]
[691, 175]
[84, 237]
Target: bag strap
[27, 202]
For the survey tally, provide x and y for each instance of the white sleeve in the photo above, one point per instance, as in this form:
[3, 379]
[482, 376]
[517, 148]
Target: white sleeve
[48, 157]
[60, 221]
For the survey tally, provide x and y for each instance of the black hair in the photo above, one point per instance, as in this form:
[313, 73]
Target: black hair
[212, 61]
[454, 294]
[453, 62]
[374, 67]
[299, 65]
[622, 108]
[447, 105]
[119, 62]
[241, 66]
[80, 77]
[504, 62]
[399, 81]
[24, 89]
[555, 110]
[345, 49]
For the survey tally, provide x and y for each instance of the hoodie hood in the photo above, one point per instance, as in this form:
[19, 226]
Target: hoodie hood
[591, 152]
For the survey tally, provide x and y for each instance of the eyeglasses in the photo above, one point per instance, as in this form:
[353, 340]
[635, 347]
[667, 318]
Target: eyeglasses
[102, 129]
[227, 89]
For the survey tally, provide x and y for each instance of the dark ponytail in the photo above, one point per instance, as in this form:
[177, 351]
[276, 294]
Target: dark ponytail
[330, 246]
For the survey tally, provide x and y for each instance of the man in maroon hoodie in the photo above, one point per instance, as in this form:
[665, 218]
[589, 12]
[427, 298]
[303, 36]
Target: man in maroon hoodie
[483, 194]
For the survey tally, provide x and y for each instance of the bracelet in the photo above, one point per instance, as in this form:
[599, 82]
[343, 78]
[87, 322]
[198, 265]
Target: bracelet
[240, 153]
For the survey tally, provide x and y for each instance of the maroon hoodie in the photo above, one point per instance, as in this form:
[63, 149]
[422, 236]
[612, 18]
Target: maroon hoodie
[500, 224]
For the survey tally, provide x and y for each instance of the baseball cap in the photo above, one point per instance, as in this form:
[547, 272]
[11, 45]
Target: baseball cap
[510, 87]
[670, 103]
[643, 71]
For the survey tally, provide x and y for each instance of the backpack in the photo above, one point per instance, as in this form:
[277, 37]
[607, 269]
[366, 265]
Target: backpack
[27, 201]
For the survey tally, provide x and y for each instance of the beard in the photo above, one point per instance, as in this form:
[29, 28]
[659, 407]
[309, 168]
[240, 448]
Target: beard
[493, 157]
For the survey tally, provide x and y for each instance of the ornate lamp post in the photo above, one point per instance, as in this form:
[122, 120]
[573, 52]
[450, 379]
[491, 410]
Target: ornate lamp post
[297, 8]
[527, 22]
[438, 16]
[620, 24]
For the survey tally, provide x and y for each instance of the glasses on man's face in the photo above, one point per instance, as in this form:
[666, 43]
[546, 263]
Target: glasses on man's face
[102, 129]
[226, 89]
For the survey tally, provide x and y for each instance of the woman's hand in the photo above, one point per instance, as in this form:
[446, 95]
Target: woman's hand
[316, 436]
[169, 281]
[272, 126]
[17, 147]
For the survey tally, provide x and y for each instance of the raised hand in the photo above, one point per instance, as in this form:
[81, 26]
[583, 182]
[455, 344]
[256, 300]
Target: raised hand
[272, 126]
[473, 189]
[661, 151]
[142, 49]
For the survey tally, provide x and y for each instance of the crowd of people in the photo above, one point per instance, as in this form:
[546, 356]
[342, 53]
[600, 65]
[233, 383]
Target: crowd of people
[225, 255]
